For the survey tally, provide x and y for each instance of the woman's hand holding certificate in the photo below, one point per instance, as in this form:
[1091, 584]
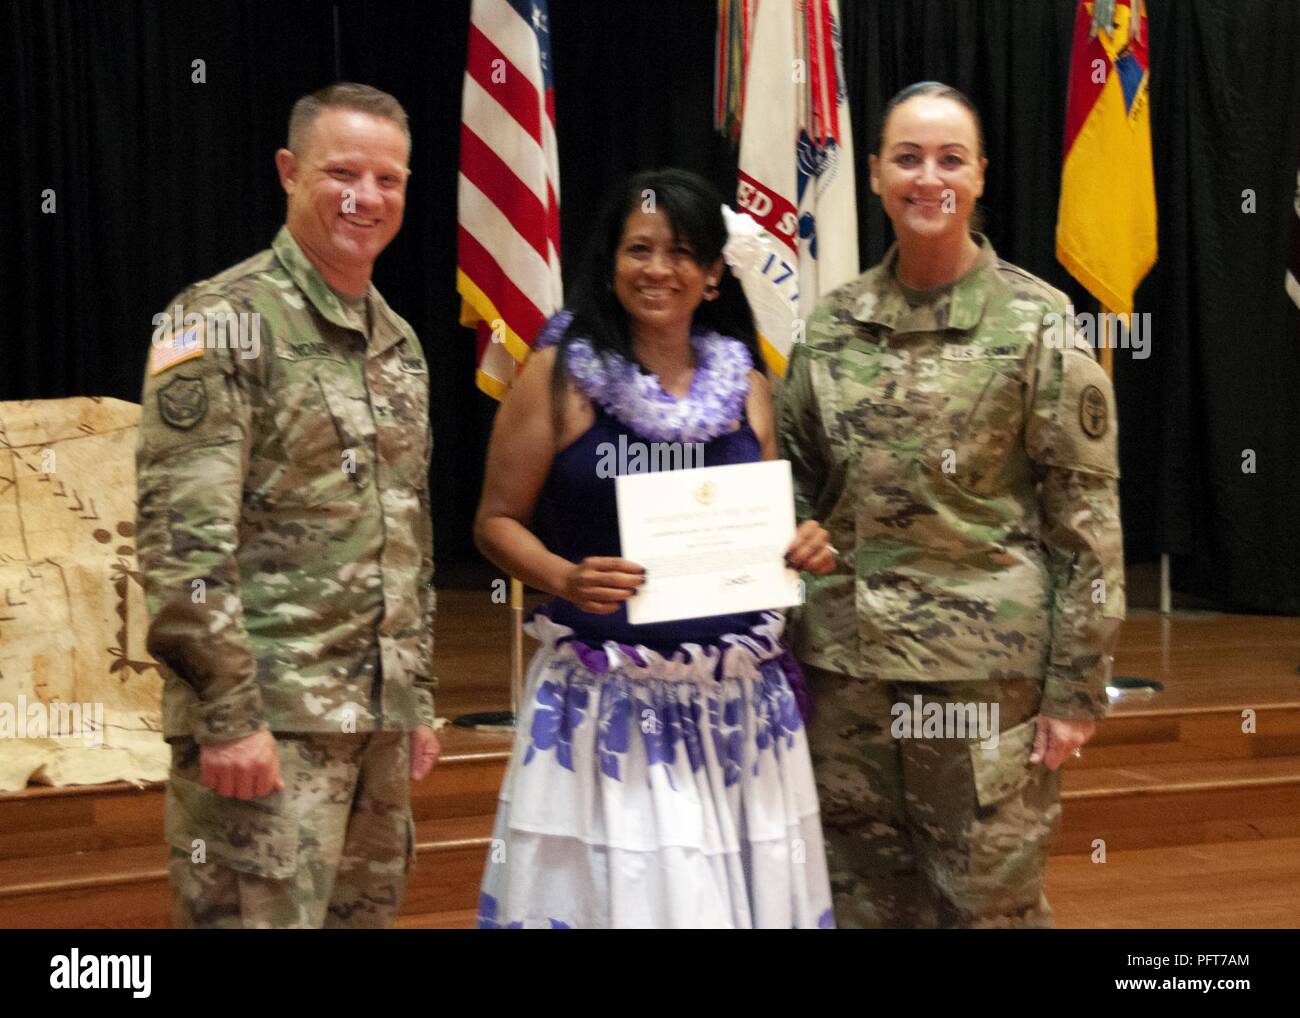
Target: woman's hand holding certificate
[600, 584]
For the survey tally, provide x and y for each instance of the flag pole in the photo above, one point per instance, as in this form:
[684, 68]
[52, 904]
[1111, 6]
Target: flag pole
[516, 648]
[1166, 594]
[1107, 357]
[1108, 365]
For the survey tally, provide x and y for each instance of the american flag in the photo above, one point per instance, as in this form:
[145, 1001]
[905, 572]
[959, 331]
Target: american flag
[508, 236]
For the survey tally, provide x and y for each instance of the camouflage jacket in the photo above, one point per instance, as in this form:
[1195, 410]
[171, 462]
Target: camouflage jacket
[285, 534]
[961, 451]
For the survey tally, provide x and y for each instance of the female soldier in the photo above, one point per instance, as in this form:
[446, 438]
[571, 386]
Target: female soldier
[941, 422]
[661, 777]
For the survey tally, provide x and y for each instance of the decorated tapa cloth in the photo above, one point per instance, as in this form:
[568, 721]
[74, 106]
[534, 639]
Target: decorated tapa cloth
[78, 690]
[652, 790]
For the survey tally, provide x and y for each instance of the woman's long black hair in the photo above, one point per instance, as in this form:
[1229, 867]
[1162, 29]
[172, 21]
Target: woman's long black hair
[694, 209]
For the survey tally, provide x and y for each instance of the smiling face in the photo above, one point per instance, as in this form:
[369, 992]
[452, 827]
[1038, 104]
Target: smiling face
[929, 172]
[347, 190]
[656, 276]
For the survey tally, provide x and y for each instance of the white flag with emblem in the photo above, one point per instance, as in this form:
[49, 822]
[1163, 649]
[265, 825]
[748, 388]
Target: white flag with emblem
[796, 174]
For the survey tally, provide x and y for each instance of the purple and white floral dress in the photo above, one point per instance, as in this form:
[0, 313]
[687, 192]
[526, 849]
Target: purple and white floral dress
[661, 775]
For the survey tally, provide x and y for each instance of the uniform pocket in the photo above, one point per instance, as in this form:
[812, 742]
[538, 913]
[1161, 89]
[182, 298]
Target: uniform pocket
[301, 416]
[1003, 770]
[401, 398]
[240, 834]
[974, 437]
[321, 451]
[354, 426]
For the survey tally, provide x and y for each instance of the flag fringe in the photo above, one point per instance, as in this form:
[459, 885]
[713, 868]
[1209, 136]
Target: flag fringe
[487, 312]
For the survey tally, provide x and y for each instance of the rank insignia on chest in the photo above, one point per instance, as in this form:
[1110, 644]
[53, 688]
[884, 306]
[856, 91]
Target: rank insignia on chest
[183, 402]
[1093, 413]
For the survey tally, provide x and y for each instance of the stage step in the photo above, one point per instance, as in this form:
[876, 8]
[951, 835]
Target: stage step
[94, 856]
[1180, 803]
[1142, 735]
[127, 887]
[1221, 885]
[462, 919]
[1150, 782]
[43, 822]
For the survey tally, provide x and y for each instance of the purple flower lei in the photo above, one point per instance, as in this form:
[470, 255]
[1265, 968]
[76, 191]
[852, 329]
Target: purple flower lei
[635, 398]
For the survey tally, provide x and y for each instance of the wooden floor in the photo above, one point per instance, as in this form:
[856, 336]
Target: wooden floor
[1173, 817]
[1200, 820]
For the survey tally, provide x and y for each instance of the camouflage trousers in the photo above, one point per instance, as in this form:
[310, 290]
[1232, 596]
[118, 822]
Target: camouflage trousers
[932, 832]
[332, 849]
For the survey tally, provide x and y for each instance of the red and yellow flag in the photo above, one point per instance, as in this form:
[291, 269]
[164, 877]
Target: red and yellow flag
[1106, 224]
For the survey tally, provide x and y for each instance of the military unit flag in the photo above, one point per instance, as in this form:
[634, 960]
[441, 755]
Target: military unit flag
[796, 157]
[1106, 223]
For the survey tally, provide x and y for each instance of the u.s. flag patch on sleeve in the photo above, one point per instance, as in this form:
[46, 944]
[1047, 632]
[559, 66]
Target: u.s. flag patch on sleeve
[177, 348]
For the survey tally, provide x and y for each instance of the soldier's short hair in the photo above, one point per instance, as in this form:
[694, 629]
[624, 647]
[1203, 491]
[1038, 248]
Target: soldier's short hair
[938, 90]
[346, 95]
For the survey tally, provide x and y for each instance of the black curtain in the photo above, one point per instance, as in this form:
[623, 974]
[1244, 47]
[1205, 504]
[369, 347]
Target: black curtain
[160, 180]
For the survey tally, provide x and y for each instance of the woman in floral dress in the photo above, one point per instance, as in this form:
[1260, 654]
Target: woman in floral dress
[661, 775]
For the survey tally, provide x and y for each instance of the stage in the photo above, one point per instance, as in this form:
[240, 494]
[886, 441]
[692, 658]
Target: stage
[1200, 820]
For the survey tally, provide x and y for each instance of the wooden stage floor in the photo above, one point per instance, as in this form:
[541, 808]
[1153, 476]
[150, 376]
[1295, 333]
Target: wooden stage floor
[1187, 803]
[1206, 661]
[1184, 811]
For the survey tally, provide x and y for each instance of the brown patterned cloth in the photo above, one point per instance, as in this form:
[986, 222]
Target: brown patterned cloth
[79, 696]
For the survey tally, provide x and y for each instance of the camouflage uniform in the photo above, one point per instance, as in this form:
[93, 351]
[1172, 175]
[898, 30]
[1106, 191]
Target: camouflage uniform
[285, 541]
[332, 849]
[965, 462]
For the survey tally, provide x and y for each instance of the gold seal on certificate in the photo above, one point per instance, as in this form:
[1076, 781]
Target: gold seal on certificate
[712, 540]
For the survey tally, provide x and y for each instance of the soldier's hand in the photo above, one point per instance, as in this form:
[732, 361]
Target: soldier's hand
[1057, 739]
[599, 585]
[424, 752]
[244, 768]
[811, 550]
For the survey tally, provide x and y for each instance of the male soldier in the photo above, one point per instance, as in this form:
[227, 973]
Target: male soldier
[286, 544]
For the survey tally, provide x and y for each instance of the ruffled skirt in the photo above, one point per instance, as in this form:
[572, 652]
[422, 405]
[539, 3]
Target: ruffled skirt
[652, 791]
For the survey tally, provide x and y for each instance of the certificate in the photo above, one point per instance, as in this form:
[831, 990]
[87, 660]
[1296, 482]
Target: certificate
[712, 540]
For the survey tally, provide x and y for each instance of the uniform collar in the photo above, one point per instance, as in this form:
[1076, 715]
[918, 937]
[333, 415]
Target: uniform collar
[959, 306]
[388, 330]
